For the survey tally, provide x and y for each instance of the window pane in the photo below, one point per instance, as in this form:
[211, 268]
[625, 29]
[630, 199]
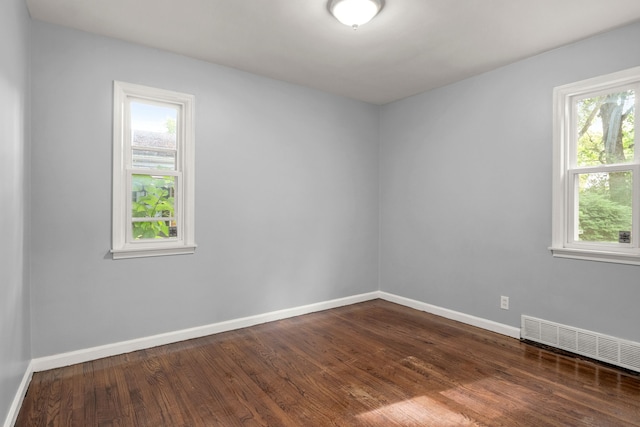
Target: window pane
[154, 229]
[604, 129]
[604, 207]
[149, 159]
[153, 126]
[152, 197]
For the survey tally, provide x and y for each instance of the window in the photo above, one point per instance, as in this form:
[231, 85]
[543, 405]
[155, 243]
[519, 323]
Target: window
[153, 160]
[596, 169]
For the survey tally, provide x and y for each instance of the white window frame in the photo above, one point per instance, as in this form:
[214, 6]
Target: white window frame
[123, 244]
[564, 170]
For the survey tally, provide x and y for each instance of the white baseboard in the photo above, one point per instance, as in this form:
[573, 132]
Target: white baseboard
[479, 322]
[93, 353]
[14, 409]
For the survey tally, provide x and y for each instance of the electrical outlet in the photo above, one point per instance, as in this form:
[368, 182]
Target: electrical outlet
[504, 303]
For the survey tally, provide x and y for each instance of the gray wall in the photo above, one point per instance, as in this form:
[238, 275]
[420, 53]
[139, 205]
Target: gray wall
[287, 197]
[15, 337]
[286, 200]
[466, 197]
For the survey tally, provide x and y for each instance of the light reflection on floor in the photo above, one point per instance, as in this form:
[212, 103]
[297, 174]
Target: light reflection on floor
[418, 411]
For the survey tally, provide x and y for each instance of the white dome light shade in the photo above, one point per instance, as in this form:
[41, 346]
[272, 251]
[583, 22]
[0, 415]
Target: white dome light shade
[354, 12]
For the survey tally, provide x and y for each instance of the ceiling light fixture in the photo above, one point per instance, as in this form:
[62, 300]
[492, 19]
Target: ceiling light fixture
[355, 12]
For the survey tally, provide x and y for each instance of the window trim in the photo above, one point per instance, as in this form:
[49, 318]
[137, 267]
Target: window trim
[562, 245]
[122, 248]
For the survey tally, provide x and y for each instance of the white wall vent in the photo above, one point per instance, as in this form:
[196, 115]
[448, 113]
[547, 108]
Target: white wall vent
[608, 349]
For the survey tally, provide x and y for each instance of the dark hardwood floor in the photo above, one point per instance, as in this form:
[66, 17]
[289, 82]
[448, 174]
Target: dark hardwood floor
[369, 364]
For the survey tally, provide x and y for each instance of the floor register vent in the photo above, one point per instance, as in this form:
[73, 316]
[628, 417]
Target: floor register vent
[608, 349]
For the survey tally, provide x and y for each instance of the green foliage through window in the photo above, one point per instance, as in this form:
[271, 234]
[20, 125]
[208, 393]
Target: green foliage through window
[605, 136]
[153, 200]
[601, 219]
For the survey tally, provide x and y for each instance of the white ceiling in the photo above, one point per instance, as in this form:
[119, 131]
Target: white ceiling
[410, 47]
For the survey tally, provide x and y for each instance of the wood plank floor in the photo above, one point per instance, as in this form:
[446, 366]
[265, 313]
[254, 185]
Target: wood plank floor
[369, 364]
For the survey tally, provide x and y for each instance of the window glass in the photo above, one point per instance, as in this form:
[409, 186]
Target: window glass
[153, 159]
[604, 207]
[153, 136]
[153, 197]
[154, 229]
[605, 128]
[153, 126]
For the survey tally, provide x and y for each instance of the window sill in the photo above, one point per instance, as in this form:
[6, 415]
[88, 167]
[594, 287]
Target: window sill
[600, 256]
[149, 252]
